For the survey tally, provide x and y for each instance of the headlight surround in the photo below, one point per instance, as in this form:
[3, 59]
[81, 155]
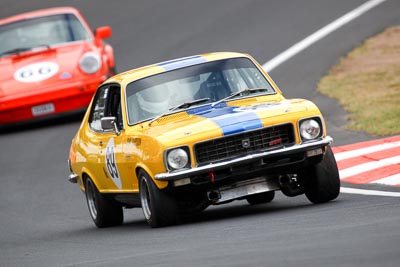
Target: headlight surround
[90, 62]
[310, 129]
[178, 158]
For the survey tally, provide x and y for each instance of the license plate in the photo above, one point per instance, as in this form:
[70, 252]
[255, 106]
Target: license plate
[43, 109]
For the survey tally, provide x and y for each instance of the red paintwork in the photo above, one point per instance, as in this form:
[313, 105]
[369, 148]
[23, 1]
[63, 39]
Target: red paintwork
[69, 89]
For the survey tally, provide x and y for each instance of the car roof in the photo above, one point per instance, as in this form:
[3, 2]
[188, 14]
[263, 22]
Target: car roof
[41, 13]
[139, 73]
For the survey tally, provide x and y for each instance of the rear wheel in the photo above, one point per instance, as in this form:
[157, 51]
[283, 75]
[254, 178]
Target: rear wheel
[323, 184]
[261, 198]
[104, 212]
[159, 208]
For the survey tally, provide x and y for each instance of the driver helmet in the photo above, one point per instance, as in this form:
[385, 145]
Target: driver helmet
[154, 100]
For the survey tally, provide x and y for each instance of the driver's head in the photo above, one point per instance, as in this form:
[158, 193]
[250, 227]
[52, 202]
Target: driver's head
[154, 100]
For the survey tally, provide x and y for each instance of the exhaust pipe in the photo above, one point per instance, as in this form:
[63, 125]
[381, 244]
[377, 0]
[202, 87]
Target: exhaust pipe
[290, 185]
[214, 196]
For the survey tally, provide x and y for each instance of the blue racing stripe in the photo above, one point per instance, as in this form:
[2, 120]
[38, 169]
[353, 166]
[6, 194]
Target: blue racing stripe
[182, 62]
[231, 119]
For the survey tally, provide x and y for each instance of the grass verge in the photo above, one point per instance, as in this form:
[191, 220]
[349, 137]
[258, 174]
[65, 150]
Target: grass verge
[366, 82]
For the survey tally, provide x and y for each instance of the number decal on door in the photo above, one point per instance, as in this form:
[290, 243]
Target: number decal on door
[111, 164]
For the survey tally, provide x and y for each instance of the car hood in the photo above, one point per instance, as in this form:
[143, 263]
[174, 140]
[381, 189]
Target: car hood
[40, 68]
[211, 122]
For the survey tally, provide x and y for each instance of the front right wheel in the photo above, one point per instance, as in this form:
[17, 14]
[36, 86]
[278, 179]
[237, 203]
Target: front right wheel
[323, 183]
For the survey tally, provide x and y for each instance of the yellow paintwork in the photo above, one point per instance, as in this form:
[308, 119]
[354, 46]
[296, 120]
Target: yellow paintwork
[141, 146]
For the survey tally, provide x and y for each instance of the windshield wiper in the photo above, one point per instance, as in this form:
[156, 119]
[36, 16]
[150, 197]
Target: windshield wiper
[241, 92]
[22, 49]
[190, 103]
[183, 105]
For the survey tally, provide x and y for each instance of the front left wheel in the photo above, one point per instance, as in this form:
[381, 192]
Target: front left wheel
[323, 182]
[103, 211]
[159, 208]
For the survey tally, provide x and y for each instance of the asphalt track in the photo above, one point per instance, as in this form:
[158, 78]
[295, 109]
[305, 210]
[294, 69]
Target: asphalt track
[44, 220]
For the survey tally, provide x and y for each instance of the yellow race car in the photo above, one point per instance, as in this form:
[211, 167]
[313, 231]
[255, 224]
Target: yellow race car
[178, 136]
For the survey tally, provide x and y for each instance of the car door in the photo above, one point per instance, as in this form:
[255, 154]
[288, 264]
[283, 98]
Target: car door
[109, 162]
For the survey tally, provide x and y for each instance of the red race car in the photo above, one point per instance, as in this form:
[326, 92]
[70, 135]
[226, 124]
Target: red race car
[51, 62]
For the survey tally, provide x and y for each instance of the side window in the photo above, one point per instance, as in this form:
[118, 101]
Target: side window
[114, 105]
[107, 103]
[98, 108]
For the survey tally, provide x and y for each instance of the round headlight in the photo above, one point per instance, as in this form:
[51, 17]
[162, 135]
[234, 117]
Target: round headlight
[310, 129]
[90, 62]
[177, 158]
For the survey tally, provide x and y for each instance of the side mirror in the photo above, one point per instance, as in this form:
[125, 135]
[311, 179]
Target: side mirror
[103, 32]
[109, 123]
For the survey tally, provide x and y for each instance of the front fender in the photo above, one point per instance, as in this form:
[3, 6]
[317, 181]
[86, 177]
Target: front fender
[152, 160]
[158, 183]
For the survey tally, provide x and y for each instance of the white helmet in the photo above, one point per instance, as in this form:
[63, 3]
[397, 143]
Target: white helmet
[154, 100]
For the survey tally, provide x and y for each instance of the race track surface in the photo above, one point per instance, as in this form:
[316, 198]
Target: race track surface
[44, 220]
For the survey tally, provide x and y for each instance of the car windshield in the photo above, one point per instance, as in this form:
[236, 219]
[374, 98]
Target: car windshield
[42, 31]
[156, 95]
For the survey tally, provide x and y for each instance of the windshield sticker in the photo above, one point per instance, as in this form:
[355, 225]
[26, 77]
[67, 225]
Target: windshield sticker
[36, 72]
[111, 164]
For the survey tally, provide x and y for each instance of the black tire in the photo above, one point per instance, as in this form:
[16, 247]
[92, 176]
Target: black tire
[261, 198]
[104, 212]
[159, 208]
[323, 182]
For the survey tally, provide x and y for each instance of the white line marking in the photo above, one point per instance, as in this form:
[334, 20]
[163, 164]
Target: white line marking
[321, 33]
[390, 180]
[368, 192]
[366, 150]
[365, 167]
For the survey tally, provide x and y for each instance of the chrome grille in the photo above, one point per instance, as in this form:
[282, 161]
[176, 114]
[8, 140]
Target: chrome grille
[244, 143]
